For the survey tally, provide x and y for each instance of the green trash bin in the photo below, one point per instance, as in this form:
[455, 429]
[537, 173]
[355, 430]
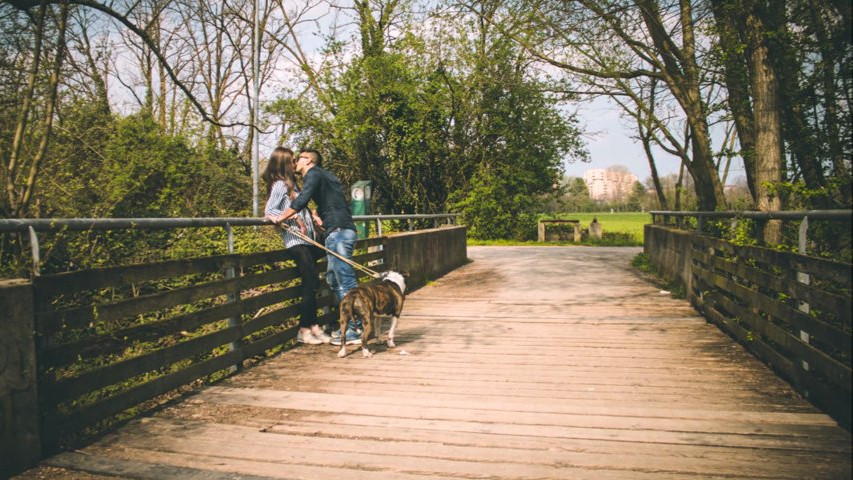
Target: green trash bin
[361, 192]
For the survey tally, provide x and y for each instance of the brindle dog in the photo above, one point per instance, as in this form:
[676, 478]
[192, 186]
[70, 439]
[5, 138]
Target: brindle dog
[370, 302]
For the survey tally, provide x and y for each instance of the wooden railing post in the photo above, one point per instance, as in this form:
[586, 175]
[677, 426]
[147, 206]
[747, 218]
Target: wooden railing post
[20, 440]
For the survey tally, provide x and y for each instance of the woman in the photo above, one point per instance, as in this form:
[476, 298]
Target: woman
[281, 190]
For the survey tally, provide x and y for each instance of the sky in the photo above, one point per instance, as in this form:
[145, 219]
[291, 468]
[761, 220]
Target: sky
[609, 142]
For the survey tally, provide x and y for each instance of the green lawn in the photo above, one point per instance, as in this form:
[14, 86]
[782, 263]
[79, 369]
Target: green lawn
[619, 223]
[630, 222]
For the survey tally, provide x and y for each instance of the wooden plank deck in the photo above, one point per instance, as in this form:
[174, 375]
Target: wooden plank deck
[529, 362]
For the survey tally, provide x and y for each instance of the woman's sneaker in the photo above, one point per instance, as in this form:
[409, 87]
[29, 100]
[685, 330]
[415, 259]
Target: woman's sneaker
[321, 335]
[308, 338]
[353, 338]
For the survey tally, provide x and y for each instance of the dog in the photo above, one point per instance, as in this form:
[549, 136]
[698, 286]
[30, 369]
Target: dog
[370, 302]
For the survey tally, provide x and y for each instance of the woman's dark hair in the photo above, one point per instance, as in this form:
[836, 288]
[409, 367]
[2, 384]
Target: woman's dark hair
[280, 167]
[318, 159]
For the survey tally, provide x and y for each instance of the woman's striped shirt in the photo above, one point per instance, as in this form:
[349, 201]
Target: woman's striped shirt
[278, 202]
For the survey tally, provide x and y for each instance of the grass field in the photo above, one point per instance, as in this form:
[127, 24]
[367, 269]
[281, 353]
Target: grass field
[630, 222]
[622, 223]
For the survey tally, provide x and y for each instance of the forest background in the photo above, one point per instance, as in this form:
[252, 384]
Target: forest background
[143, 109]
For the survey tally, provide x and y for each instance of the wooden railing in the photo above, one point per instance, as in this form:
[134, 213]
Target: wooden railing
[791, 310]
[112, 338]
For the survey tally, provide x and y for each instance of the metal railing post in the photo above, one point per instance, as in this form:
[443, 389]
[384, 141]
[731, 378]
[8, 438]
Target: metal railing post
[34, 246]
[230, 272]
[804, 279]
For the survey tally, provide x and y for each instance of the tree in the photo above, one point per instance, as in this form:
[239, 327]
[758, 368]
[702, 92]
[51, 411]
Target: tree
[577, 195]
[610, 41]
[519, 139]
[637, 197]
[34, 116]
[766, 160]
[452, 119]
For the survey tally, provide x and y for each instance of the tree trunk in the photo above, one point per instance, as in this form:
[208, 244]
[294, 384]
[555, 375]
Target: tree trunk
[829, 59]
[802, 142]
[12, 164]
[681, 74]
[708, 187]
[737, 84]
[768, 138]
[645, 137]
[678, 185]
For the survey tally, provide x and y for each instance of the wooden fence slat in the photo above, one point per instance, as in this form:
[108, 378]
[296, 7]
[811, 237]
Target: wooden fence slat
[72, 387]
[371, 242]
[368, 257]
[828, 334]
[118, 341]
[259, 346]
[93, 279]
[269, 257]
[97, 278]
[839, 306]
[832, 369]
[51, 322]
[271, 318]
[837, 272]
[836, 403]
[821, 268]
[94, 380]
[89, 415]
[80, 317]
[765, 351]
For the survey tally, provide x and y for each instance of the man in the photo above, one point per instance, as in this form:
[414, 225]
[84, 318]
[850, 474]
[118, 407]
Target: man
[325, 189]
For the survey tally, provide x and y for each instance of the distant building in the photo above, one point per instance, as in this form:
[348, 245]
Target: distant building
[609, 184]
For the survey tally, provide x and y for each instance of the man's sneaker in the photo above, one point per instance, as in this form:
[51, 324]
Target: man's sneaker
[336, 333]
[353, 338]
[308, 338]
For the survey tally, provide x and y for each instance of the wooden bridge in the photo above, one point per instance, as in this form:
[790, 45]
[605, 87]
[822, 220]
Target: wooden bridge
[528, 362]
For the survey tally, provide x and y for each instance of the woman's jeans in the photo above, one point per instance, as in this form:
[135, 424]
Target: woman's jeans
[340, 275]
[306, 257]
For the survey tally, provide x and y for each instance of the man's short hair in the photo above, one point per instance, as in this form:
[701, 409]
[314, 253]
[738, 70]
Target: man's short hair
[318, 158]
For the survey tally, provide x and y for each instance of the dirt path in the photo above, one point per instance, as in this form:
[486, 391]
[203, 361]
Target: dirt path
[529, 362]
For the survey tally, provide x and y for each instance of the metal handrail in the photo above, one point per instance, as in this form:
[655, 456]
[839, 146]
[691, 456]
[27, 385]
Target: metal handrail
[78, 224]
[33, 225]
[804, 215]
[776, 215]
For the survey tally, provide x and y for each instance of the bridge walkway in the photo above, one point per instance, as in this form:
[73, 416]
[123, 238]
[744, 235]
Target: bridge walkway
[528, 362]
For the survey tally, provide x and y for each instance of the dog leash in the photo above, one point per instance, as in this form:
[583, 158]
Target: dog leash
[310, 240]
